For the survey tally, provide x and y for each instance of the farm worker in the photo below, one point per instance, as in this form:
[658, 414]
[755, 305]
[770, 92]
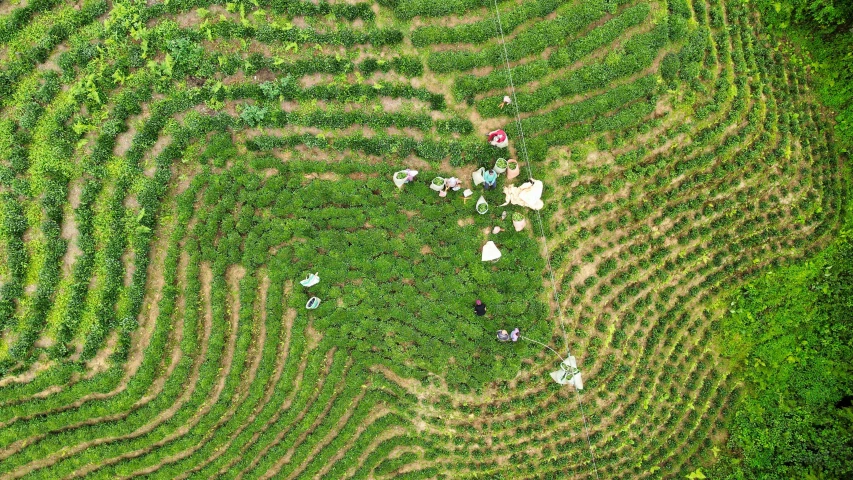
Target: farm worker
[506, 101]
[479, 308]
[490, 177]
[515, 334]
[410, 174]
[452, 183]
[503, 336]
[498, 139]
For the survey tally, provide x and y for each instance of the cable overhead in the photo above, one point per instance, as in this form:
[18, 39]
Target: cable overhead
[542, 231]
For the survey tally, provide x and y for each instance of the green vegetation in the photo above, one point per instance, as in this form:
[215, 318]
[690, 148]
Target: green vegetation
[819, 32]
[169, 171]
[790, 332]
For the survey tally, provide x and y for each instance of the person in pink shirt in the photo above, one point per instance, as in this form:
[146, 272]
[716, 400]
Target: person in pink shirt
[498, 138]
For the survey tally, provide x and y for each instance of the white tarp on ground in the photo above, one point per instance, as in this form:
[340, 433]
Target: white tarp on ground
[527, 195]
[568, 374]
[490, 251]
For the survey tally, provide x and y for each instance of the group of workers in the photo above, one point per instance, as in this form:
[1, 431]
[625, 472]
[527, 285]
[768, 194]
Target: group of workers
[497, 138]
[503, 336]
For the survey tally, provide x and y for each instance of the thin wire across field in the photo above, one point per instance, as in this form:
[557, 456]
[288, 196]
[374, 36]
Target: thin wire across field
[542, 232]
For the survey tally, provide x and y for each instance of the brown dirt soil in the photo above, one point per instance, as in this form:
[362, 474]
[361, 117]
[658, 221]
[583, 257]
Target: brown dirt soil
[125, 140]
[361, 176]
[390, 104]
[69, 231]
[129, 263]
[40, 365]
[486, 125]
[314, 337]
[11, 5]
[162, 142]
[51, 62]
[131, 202]
[314, 79]
[323, 176]
[100, 363]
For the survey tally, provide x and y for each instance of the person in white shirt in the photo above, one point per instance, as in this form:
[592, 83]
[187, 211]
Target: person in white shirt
[452, 183]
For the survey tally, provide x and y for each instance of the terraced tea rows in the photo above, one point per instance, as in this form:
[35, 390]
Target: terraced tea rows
[171, 170]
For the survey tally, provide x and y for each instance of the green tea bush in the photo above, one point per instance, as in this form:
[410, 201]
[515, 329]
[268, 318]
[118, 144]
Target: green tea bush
[639, 54]
[482, 31]
[170, 171]
[528, 42]
[573, 113]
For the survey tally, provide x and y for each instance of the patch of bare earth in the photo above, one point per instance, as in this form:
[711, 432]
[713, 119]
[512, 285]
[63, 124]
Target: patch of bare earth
[162, 142]
[330, 176]
[11, 5]
[314, 337]
[125, 139]
[99, 363]
[69, 231]
[40, 365]
[51, 62]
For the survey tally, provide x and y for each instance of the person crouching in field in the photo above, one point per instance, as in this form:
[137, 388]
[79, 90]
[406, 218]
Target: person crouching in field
[479, 308]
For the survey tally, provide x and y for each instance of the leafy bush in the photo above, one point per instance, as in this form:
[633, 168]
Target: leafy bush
[573, 113]
[253, 115]
[804, 299]
[669, 67]
[640, 52]
[483, 30]
[530, 41]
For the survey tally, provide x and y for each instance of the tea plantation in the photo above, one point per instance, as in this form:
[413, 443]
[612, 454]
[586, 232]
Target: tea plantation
[170, 171]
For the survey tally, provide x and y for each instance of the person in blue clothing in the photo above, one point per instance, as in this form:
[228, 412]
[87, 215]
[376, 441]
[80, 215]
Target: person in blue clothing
[490, 179]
